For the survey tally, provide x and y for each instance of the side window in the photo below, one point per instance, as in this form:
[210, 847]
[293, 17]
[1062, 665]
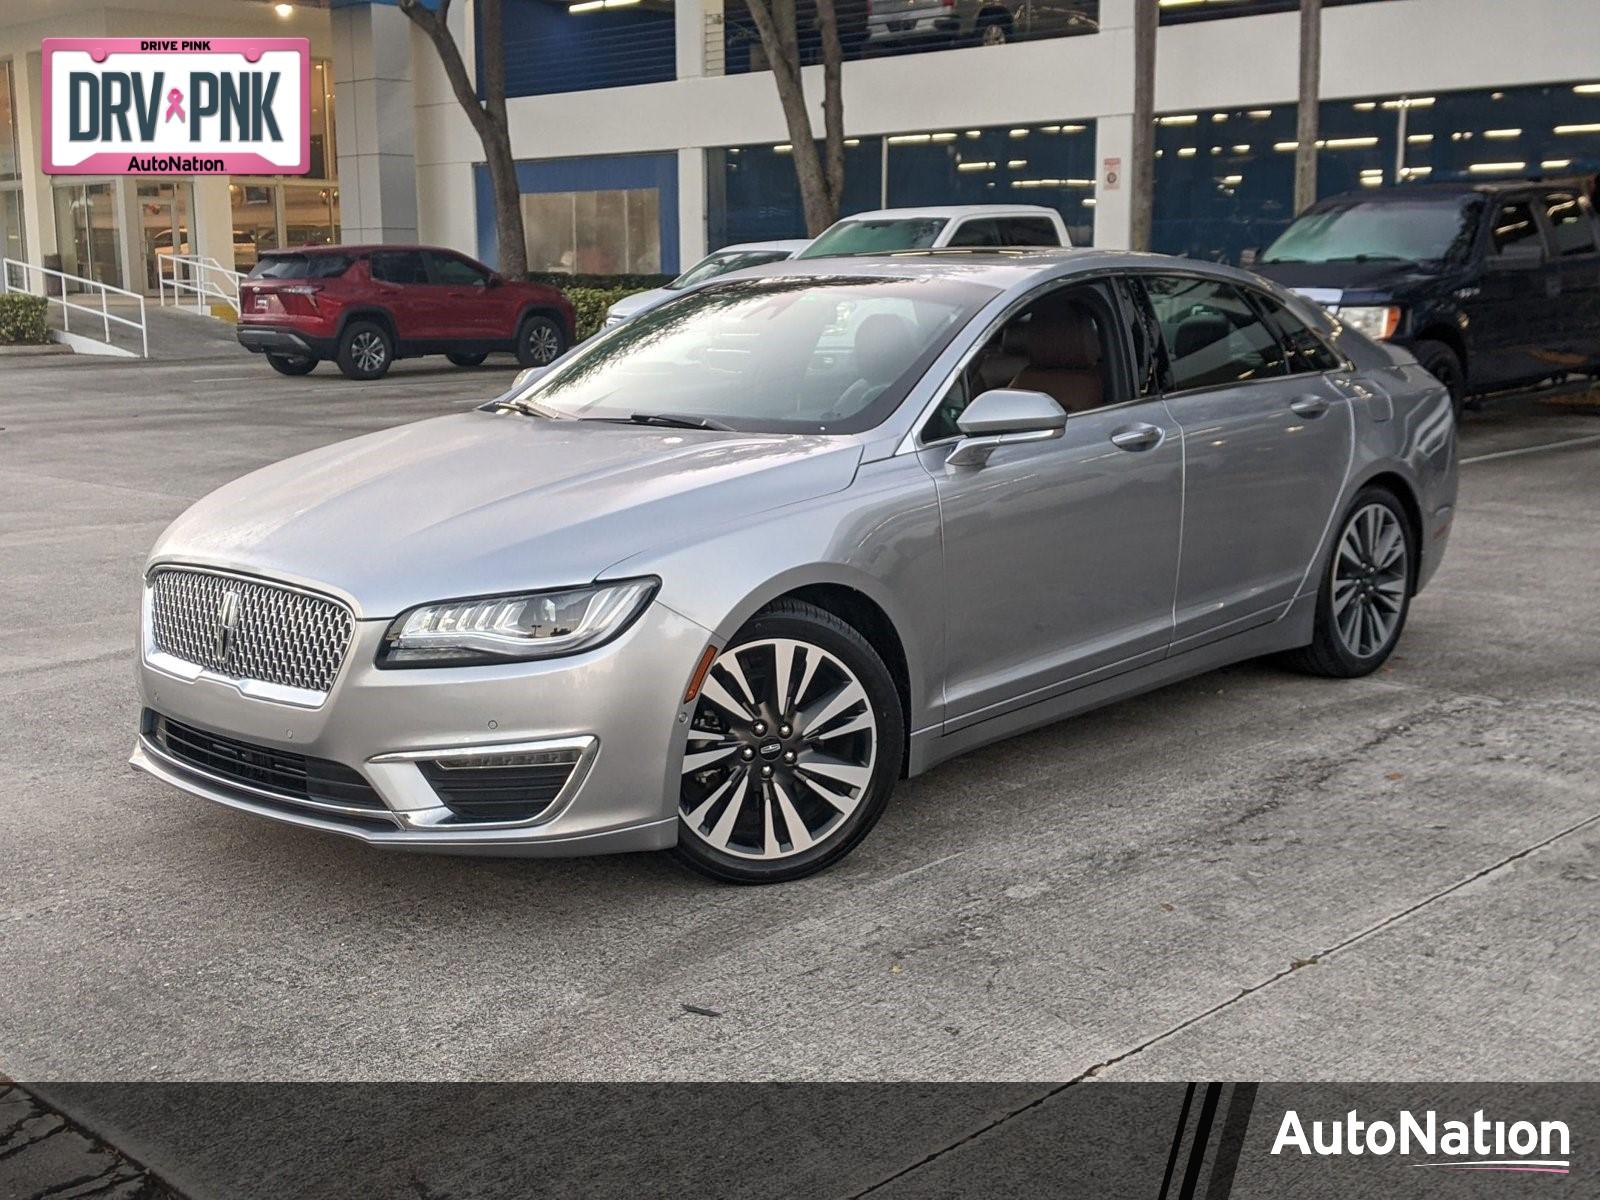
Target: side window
[399, 266]
[1571, 223]
[1151, 374]
[457, 272]
[977, 233]
[1063, 344]
[1306, 352]
[1028, 231]
[1514, 226]
[1212, 334]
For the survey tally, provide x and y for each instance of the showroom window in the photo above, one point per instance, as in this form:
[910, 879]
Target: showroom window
[879, 28]
[594, 233]
[1225, 179]
[11, 231]
[754, 195]
[553, 46]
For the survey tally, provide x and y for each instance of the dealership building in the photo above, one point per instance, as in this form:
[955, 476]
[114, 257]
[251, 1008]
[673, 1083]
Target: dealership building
[648, 131]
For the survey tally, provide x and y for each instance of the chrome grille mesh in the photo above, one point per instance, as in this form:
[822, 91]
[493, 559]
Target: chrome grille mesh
[278, 635]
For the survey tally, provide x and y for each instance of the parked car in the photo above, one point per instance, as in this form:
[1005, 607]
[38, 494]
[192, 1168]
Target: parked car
[893, 23]
[1490, 285]
[731, 569]
[365, 306]
[963, 225]
[713, 265]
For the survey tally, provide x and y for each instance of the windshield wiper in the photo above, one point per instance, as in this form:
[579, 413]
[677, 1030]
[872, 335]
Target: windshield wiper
[526, 407]
[1366, 258]
[678, 421]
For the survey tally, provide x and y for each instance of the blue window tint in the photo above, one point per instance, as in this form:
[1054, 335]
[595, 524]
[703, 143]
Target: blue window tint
[552, 48]
[1223, 187]
[753, 195]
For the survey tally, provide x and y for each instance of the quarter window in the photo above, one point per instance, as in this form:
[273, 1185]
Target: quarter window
[1571, 223]
[399, 266]
[457, 272]
[1212, 334]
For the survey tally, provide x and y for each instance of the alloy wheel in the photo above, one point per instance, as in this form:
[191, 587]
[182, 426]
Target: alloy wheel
[544, 345]
[1370, 579]
[781, 750]
[367, 350]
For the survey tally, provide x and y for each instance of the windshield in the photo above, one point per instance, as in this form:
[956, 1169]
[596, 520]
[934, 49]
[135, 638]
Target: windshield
[1416, 231]
[803, 355]
[300, 266]
[876, 237]
[723, 262]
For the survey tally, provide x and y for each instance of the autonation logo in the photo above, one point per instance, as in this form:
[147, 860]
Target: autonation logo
[1476, 1145]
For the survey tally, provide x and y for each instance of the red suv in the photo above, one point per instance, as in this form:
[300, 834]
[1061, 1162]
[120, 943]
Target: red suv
[365, 306]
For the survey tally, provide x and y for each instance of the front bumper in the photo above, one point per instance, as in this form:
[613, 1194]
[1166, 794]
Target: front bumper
[622, 701]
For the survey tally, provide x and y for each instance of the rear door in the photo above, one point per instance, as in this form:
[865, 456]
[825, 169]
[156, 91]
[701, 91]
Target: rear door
[1266, 450]
[1573, 242]
[401, 285]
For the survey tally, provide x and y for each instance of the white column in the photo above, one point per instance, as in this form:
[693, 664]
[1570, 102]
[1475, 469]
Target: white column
[689, 36]
[38, 199]
[1113, 215]
[375, 123]
[691, 206]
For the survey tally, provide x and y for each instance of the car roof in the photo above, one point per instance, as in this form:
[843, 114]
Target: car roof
[1446, 189]
[1003, 269]
[360, 248]
[954, 210]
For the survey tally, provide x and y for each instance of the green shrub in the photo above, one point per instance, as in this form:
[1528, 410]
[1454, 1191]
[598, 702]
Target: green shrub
[22, 319]
[590, 304]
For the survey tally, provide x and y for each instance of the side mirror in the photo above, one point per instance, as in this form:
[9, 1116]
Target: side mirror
[1526, 255]
[1004, 417]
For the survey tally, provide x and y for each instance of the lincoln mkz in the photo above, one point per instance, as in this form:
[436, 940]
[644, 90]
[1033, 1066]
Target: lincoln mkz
[722, 575]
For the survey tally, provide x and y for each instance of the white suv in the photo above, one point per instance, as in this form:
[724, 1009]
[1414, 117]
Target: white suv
[891, 229]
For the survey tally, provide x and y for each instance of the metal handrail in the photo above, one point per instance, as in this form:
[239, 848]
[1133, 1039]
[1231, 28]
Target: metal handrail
[202, 275]
[106, 316]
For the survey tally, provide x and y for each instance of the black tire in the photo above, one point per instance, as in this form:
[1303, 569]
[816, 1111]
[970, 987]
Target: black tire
[365, 350]
[993, 29]
[1329, 653]
[467, 360]
[814, 627]
[1443, 364]
[540, 341]
[285, 365]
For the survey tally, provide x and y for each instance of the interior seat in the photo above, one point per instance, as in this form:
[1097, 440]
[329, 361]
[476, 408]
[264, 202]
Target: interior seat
[1064, 361]
[884, 347]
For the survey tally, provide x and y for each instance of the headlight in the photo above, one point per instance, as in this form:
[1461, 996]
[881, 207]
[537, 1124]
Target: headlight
[1378, 322]
[494, 629]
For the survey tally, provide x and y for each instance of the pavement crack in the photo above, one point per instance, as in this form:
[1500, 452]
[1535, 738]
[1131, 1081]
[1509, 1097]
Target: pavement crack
[1319, 956]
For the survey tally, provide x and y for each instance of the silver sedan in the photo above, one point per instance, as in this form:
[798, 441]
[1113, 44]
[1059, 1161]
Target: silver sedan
[723, 575]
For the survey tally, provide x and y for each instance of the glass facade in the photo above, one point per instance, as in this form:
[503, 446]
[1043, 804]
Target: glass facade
[754, 195]
[1225, 180]
[87, 231]
[876, 28]
[579, 45]
[11, 232]
[614, 232]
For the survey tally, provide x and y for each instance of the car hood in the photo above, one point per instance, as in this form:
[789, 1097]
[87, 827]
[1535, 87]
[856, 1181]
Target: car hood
[1352, 282]
[632, 306]
[481, 502]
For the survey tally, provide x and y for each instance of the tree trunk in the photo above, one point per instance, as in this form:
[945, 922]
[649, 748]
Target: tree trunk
[820, 173]
[1141, 166]
[488, 118]
[1305, 151]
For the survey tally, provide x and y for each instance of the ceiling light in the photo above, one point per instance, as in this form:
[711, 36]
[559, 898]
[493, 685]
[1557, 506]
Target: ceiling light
[1496, 167]
[1502, 133]
[1578, 128]
[284, 10]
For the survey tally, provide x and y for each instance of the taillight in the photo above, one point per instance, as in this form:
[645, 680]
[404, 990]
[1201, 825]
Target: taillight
[305, 297]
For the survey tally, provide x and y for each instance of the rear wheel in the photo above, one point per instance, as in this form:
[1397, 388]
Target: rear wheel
[1441, 362]
[365, 350]
[540, 341]
[795, 745]
[284, 365]
[467, 360]
[1366, 590]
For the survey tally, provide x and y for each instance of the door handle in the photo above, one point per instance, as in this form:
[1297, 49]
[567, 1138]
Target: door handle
[1136, 437]
[1309, 406]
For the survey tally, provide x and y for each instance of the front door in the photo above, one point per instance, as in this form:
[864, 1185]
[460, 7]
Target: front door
[467, 311]
[1265, 456]
[1060, 556]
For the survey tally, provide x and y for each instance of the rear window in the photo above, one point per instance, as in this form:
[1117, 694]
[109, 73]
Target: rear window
[300, 266]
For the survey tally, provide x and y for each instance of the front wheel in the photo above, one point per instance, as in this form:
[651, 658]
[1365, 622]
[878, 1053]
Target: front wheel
[540, 341]
[1441, 362]
[795, 745]
[284, 365]
[1366, 590]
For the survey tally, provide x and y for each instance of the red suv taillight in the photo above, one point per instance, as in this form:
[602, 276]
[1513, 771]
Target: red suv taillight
[300, 298]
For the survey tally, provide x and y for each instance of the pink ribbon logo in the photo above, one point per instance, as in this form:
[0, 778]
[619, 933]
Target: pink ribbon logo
[175, 105]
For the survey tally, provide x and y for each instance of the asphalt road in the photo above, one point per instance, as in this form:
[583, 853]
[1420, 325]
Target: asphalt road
[1249, 875]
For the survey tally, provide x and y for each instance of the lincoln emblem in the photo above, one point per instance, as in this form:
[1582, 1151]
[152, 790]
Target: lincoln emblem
[227, 625]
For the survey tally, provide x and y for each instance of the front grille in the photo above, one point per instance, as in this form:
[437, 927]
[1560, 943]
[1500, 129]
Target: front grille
[293, 777]
[248, 630]
[500, 793]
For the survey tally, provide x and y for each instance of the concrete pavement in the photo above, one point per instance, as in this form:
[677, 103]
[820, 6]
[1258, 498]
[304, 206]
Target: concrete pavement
[1251, 874]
